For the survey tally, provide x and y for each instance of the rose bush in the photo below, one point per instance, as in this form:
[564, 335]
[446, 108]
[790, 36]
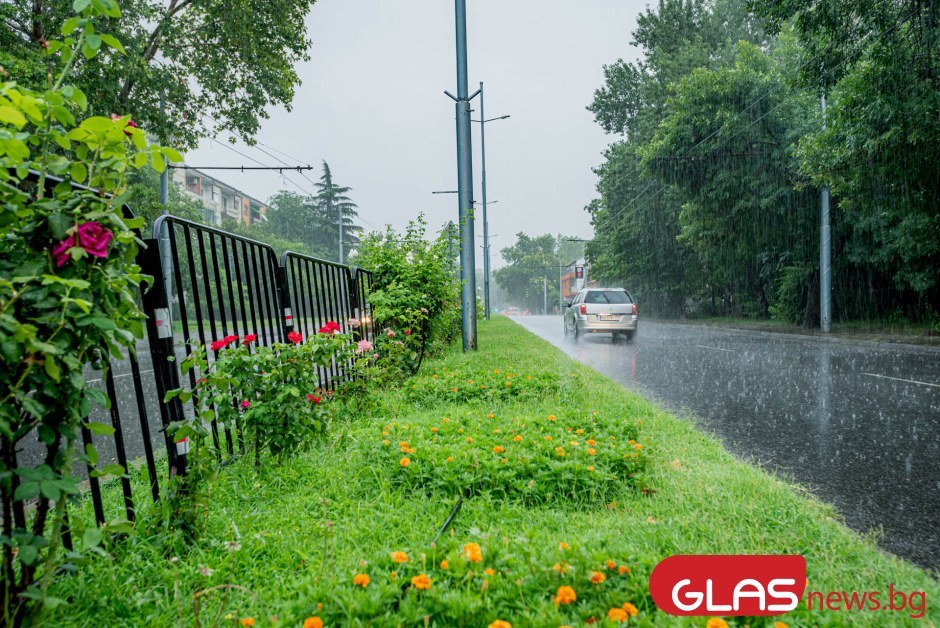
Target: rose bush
[68, 295]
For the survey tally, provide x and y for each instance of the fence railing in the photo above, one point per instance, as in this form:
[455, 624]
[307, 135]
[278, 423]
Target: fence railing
[208, 283]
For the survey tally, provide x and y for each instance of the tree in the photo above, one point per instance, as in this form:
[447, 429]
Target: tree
[338, 212]
[297, 218]
[144, 190]
[187, 68]
[530, 262]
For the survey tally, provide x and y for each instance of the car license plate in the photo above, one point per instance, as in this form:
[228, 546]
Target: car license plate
[609, 317]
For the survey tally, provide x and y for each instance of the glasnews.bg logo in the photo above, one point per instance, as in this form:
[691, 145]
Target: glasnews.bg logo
[728, 585]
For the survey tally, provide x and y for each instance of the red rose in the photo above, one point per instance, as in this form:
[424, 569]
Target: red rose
[407, 332]
[295, 337]
[313, 398]
[61, 251]
[331, 327]
[91, 236]
[249, 338]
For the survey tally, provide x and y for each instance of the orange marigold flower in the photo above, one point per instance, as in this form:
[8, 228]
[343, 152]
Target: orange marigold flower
[715, 622]
[591, 451]
[247, 621]
[361, 580]
[638, 446]
[313, 622]
[560, 451]
[404, 462]
[597, 577]
[490, 415]
[591, 468]
[563, 546]
[579, 431]
[591, 442]
[617, 615]
[561, 567]
[393, 575]
[517, 438]
[445, 420]
[780, 624]
[498, 450]
[404, 445]
[489, 571]
[499, 623]
[445, 564]
[565, 595]
[472, 552]
[623, 569]
[450, 458]
[630, 609]
[434, 429]
[548, 438]
[469, 439]
[454, 389]
[399, 557]
[421, 582]
[551, 417]
[611, 564]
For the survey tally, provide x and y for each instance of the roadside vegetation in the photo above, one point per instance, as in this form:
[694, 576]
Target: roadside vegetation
[345, 531]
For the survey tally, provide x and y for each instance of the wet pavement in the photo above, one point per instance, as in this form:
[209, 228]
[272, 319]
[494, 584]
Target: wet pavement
[856, 423]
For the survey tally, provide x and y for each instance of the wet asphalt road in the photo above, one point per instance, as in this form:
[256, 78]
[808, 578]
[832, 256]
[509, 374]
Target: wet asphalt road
[856, 423]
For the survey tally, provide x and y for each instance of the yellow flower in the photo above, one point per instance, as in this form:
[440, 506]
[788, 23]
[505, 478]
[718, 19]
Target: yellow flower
[560, 451]
[450, 458]
[715, 622]
[611, 564]
[313, 622]
[638, 446]
[445, 420]
[591, 468]
[247, 621]
[591, 451]
[591, 442]
[563, 546]
[617, 615]
[499, 623]
[579, 432]
[498, 450]
[434, 429]
[445, 564]
[490, 415]
[551, 417]
[399, 557]
[421, 582]
[574, 443]
[404, 445]
[394, 575]
[780, 624]
[597, 577]
[404, 462]
[361, 580]
[517, 438]
[469, 439]
[386, 442]
[548, 438]
[454, 389]
[472, 552]
[630, 609]
[490, 572]
[561, 568]
[623, 569]
[565, 595]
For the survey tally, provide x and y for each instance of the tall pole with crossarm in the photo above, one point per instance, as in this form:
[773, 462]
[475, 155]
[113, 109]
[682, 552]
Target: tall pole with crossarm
[465, 186]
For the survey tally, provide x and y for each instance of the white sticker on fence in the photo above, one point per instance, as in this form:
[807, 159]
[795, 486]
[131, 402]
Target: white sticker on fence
[288, 318]
[163, 323]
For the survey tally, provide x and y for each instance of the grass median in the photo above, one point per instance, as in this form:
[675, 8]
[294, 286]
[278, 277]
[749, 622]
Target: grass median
[564, 479]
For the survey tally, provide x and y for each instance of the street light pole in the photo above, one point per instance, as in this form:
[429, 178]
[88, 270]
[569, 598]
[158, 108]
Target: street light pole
[486, 224]
[465, 185]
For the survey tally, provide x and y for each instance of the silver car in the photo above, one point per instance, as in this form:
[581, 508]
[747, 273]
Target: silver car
[601, 311]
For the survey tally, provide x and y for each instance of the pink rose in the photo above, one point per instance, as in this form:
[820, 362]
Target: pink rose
[61, 251]
[94, 238]
[363, 345]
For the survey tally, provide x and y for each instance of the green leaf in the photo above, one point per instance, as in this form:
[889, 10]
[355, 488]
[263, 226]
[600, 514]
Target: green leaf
[80, 5]
[9, 115]
[92, 454]
[159, 164]
[49, 490]
[69, 26]
[102, 429]
[27, 554]
[52, 368]
[26, 490]
[113, 42]
[78, 171]
[91, 537]
[113, 469]
[99, 397]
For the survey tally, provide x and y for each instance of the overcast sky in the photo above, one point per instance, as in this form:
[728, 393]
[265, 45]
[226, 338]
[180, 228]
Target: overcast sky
[372, 105]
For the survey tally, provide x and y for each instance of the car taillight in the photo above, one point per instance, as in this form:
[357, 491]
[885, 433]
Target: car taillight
[583, 308]
[634, 309]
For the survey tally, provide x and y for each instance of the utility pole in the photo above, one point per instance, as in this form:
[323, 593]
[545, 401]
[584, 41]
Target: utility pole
[465, 185]
[339, 210]
[825, 251]
[545, 296]
[166, 257]
[486, 224]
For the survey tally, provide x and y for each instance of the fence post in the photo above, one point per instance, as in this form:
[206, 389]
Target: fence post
[283, 295]
[355, 299]
[157, 307]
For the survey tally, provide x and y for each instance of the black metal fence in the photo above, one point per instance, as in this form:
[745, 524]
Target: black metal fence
[208, 283]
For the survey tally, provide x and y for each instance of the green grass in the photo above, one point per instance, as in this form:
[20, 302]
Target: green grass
[305, 529]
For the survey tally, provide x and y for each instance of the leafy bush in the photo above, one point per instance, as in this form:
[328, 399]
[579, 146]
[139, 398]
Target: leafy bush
[465, 385]
[415, 284]
[563, 461]
[68, 291]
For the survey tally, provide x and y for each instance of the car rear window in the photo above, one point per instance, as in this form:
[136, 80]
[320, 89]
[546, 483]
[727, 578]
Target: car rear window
[608, 296]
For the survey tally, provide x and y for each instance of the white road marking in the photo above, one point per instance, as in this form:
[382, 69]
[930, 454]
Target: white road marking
[93, 381]
[898, 379]
[715, 348]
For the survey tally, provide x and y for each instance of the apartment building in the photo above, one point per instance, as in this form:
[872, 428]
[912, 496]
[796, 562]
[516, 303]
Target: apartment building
[220, 200]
